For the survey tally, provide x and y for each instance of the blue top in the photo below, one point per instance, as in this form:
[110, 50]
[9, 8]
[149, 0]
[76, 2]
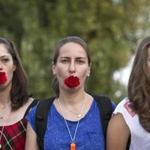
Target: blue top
[89, 134]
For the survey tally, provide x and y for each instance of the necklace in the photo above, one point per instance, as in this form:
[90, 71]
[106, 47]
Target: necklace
[1, 136]
[73, 144]
[77, 114]
[4, 111]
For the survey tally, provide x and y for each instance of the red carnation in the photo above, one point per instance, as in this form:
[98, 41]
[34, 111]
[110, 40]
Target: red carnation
[72, 81]
[3, 77]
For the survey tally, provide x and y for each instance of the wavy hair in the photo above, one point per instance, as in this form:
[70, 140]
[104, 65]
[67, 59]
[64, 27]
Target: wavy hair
[139, 84]
[18, 93]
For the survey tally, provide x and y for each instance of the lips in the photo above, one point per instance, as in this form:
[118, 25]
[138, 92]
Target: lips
[3, 77]
[72, 81]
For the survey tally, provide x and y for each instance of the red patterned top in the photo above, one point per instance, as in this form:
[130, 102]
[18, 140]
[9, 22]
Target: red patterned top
[13, 136]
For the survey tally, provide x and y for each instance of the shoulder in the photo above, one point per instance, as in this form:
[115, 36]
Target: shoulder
[117, 127]
[117, 120]
[25, 106]
[125, 107]
[125, 110]
[29, 105]
[105, 102]
[30, 100]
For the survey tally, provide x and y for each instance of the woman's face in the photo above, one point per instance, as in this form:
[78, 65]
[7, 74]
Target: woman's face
[7, 67]
[72, 61]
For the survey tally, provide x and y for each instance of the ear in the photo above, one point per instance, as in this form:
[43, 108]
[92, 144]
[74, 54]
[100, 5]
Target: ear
[88, 75]
[14, 67]
[54, 69]
[88, 72]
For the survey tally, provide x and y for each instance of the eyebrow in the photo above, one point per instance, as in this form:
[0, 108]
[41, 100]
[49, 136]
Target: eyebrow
[5, 55]
[75, 57]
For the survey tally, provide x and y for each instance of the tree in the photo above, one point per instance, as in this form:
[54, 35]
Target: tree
[111, 29]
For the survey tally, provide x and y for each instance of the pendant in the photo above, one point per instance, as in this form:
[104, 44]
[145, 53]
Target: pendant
[79, 115]
[72, 146]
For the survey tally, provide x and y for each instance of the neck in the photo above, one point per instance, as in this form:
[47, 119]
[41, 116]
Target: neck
[4, 101]
[5, 96]
[72, 98]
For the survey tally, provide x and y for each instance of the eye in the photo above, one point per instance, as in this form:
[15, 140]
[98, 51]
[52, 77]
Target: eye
[5, 60]
[64, 61]
[80, 61]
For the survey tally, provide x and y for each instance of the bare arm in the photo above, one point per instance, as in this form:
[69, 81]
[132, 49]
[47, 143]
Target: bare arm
[31, 141]
[117, 133]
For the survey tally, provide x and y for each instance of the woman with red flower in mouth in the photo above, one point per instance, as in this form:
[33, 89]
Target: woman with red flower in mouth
[14, 99]
[73, 119]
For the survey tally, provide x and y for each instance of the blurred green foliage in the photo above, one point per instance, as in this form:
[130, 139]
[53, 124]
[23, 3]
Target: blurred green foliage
[111, 28]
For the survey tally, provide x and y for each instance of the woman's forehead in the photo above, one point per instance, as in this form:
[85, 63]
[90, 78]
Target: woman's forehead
[3, 50]
[72, 49]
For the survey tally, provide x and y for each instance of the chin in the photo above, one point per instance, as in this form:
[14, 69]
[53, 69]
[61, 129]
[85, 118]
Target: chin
[73, 90]
[5, 85]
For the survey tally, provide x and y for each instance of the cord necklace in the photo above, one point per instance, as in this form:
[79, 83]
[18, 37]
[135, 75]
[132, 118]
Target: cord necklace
[73, 138]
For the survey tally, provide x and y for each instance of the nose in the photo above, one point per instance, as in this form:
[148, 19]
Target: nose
[72, 68]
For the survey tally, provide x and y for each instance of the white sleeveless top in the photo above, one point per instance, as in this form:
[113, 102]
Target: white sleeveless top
[140, 138]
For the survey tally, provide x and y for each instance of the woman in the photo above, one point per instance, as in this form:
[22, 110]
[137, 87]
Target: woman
[14, 100]
[131, 119]
[73, 120]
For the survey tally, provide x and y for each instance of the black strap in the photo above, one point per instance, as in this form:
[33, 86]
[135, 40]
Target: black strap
[35, 101]
[41, 120]
[105, 109]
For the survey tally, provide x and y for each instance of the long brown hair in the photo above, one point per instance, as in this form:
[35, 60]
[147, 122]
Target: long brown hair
[139, 84]
[18, 94]
[68, 39]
